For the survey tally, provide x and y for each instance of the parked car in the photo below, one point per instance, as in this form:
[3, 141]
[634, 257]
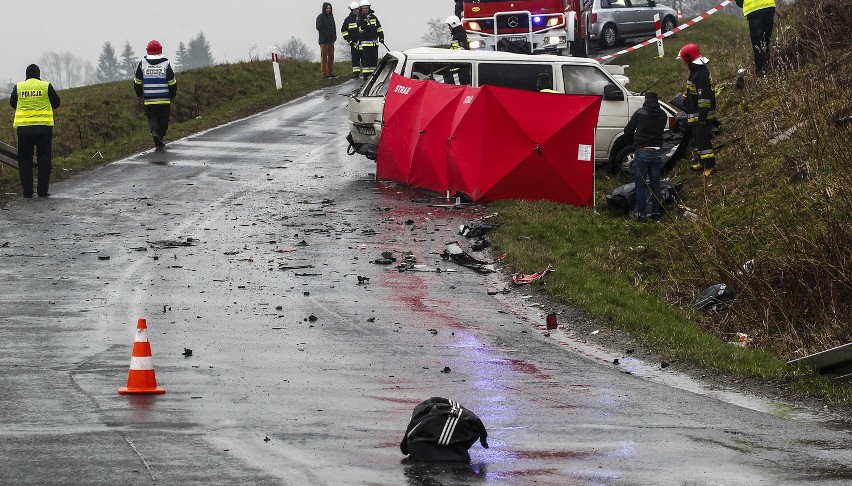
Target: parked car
[571, 75]
[611, 21]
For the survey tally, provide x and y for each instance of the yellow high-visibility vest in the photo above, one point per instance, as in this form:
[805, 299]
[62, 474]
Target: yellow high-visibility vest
[750, 6]
[33, 104]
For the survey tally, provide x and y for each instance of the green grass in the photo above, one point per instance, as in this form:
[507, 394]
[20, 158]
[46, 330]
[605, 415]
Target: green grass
[643, 279]
[106, 118]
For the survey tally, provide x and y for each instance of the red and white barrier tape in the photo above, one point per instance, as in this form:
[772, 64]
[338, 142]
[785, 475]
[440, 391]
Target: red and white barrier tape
[674, 31]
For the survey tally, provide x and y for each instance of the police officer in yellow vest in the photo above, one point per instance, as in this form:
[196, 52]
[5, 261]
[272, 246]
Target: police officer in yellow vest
[34, 101]
[761, 19]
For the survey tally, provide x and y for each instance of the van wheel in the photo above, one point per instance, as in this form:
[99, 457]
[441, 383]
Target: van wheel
[609, 36]
[622, 164]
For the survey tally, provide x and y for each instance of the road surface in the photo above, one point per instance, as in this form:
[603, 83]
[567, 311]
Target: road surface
[244, 244]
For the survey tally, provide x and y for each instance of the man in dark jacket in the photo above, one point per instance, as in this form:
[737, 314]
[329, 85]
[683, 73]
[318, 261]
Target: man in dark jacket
[459, 8]
[34, 101]
[646, 126]
[372, 34]
[327, 37]
[349, 29]
[700, 108]
[155, 86]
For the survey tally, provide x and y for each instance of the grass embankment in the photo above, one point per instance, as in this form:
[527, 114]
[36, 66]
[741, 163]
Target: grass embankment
[106, 118]
[784, 204]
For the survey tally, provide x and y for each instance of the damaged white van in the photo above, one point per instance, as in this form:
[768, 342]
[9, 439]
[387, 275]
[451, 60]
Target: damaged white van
[570, 75]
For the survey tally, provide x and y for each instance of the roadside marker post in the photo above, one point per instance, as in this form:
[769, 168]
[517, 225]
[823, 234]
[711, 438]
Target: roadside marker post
[670, 33]
[660, 52]
[276, 70]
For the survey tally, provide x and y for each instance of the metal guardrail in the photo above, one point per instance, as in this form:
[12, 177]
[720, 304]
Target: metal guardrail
[8, 155]
[835, 362]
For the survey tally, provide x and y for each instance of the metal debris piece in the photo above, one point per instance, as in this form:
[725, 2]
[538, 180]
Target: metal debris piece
[386, 259]
[187, 352]
[302, 243]
[294, 267]
[834, 362]
[162, 244]
[453, 251]
[363, 280]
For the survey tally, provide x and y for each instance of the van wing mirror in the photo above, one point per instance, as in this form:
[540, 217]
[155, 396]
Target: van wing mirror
[613, 93]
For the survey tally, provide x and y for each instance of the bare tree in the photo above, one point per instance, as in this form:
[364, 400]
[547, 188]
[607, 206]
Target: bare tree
[342, 52]
[437, 33]
[295, 49]
[65, 70]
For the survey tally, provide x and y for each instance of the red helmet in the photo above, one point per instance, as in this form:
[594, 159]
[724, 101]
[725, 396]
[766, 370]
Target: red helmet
[689, 53]
[154, 47]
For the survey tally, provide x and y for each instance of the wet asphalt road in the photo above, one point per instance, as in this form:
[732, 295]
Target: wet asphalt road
[272, 397]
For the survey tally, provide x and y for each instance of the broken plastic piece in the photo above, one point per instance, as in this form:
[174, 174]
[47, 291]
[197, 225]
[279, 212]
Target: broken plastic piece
[521, 279]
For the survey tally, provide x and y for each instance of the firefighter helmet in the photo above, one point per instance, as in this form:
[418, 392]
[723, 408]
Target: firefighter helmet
[154, 47]
[453, 21]
[689, 53]
[354, 6]
[364, 3]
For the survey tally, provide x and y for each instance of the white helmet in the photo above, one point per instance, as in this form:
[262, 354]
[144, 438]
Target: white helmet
[364, 3]
[354, 6]
[453, 21]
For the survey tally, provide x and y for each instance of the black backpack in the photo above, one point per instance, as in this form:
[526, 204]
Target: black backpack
[441, 430]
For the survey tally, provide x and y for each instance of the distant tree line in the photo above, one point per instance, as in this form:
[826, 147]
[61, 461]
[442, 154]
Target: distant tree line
[196, 53]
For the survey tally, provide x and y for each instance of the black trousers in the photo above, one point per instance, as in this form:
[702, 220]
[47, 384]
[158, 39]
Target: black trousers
[35, 139]
[158, 119]
[369, 60]
[356, 60]
[702, 143]
[760, 24]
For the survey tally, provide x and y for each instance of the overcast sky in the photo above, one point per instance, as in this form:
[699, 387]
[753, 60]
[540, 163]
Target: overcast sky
[232, 27]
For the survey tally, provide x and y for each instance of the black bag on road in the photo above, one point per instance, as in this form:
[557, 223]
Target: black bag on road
[441, 430]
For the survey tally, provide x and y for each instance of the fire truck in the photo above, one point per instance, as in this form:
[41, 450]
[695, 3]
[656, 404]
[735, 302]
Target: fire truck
[526, 26]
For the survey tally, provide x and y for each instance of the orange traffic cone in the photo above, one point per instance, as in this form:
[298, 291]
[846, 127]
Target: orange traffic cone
[141, 379]
[679, 14]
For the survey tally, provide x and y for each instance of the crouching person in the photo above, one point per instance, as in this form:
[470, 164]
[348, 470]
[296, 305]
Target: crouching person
[646, 126]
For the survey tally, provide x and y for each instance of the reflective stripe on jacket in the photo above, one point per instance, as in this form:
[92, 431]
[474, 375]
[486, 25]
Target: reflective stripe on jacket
[370, 30]
[700, 97]
[34, 107]
[349, 29]
[155, 82]
[750, 6]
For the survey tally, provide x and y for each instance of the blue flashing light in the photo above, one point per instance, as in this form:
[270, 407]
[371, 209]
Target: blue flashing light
[537, 20]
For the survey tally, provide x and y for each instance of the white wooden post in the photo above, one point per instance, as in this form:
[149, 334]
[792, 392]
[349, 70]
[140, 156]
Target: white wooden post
[276, 70]
[659, 29]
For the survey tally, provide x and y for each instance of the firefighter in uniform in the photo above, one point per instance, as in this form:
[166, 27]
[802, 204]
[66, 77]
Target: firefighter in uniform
[349, 29]
[371, 35]
[700, 108]
[34, 101]
[459, 35]
[156, 87]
